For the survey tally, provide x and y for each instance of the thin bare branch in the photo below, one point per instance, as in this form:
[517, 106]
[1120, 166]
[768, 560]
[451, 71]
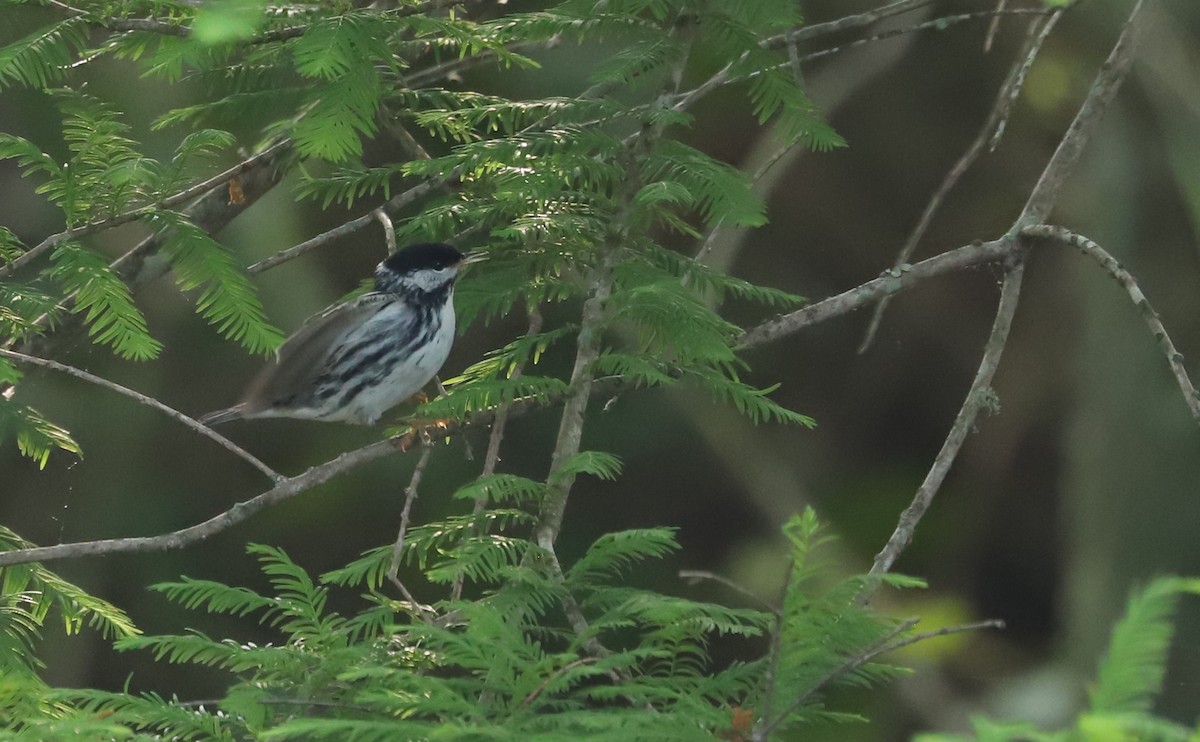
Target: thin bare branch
[396, 203]
[990, 623]
[979, 397]
[993, 27]
[695, 575]
[889, 643]
[858, 20]
[1018, 84]
[1037, 208]
[776, 652]
[889, 282]
[934, 24]
[1003, 103]
[725, 75]
[570, 430]
[492, 457]
[149, 402]
[283, 490]
[1100, 96]
[389, 231]
[1129, 283]
[286, 489]
[410, 495]
[763, 729]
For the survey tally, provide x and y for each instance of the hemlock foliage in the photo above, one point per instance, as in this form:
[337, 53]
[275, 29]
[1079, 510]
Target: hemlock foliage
[508, 665]
[578, 199]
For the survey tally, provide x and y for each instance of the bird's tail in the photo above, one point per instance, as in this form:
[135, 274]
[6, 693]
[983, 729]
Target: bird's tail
[219, 417]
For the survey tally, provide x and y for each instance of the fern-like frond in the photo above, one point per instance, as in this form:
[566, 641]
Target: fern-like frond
[214, 597]
[669, 318]
[613, 554]
[46, 589]
[227, 300]
[334, 48]
[1131, 674]
[233, 108]
[192, 648]
[501, 488]
[11, 246]
[599, 464]
[638, 59]
[704, 279]
[42, 58]
[501, 363]
[25, 310]
[338, 114]
[299, 600]
[107, 174]
[822, 630]
[423, 543]
[640, 370]
[749, 401]
[347, 185]
[721, 193]
[480, 560]
[36, 436]
[151, 714]
[478, 396]
[198, 144]
[104, 300]
[32, 161]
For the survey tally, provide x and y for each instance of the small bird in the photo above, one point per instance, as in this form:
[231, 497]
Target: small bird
[357, 360]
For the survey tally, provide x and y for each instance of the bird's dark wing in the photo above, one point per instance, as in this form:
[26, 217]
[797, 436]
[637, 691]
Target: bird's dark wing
[302, 357]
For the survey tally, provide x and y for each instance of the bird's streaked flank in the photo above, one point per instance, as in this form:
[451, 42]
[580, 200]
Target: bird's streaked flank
[357, 360]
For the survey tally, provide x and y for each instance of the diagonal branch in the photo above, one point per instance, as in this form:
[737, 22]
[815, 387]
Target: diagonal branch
[726, 75]
[149, 402]
[979, 397]
[1100, 96]
[889, 282]
[210, 212]
[284, 489]
[1129, 283]
[892, 641]
[183, 537]
[394, 204]
[1041, 201]
[176, 199]
[991, 127]
[410, 494]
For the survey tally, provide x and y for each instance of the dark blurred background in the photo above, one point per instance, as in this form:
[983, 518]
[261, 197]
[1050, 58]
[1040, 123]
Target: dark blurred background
[1084, 485]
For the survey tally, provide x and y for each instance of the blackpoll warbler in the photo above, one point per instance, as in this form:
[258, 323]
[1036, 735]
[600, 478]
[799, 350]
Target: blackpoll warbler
[357, 360]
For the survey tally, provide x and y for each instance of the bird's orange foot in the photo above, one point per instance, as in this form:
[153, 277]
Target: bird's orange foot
[426, 430]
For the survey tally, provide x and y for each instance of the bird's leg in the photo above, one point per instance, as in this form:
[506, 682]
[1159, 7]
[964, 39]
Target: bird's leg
[423, 428]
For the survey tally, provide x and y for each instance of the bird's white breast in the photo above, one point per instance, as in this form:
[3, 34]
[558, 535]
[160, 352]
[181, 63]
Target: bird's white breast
[410, 374]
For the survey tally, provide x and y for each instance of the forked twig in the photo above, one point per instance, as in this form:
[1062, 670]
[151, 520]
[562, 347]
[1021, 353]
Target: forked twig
[990, 130]
[1037, 208]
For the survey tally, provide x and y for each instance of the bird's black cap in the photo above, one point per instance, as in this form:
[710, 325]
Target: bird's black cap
[423, 255]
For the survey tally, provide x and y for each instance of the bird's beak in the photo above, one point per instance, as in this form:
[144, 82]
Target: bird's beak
[472, 258]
